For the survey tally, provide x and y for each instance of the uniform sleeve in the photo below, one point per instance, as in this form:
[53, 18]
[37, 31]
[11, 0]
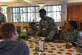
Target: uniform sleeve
[78, 37]
[39, 29]
[3, 19]
[53, 31]
[28, 34]
[61, 36]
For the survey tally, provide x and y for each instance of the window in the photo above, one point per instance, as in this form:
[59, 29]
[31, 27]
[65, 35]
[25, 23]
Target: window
[54, 12]
[25, 14]
[4, 11]
[31, 13]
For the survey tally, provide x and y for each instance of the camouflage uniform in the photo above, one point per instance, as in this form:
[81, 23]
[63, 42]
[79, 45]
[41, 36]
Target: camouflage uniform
[70, 36]
[2, 18]
[49, 26]
[32, 29]
[31, 32]
[79, 43]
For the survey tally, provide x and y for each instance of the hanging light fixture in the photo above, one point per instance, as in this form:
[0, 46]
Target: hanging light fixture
[3, 6]
[41, 5]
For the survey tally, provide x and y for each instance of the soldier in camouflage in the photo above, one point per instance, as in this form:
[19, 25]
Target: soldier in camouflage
[32, 29]
[47, 27]
[70, 34]
[2, 18]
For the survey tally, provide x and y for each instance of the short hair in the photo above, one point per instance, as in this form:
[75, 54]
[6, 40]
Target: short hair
[6, 30]
[42, 11]
[31, 23]
[73, 24]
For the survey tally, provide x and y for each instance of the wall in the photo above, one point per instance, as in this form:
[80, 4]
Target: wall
[21, 24]
[74, 1]
[74, 12]
[9, 15]
[64, 12]
[64, 15]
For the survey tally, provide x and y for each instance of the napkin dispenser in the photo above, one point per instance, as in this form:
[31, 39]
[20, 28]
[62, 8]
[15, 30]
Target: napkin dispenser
[41, 46]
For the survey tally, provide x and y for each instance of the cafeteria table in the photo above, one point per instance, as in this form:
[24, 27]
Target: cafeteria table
[52, 48]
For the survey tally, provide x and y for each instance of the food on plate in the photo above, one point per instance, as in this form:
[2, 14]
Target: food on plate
[59, 46]
[43, 54]
[33, 50]
[78, 54]
[70, 50]
[35, 53]
[45, 45]
[68, 45]
[61, 49]
[64, 45]
[68, 53]
[74, 48]
[54, 54]
[51, 46]
[50, 51]
[53, 49]
[49, 43]
[31, 46]
[46, 48]
[59, 52]
[30, 42]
